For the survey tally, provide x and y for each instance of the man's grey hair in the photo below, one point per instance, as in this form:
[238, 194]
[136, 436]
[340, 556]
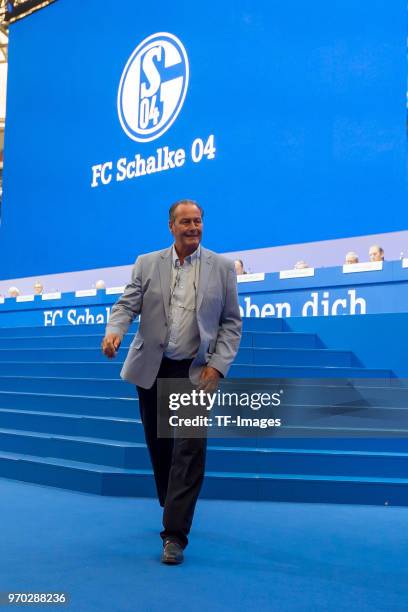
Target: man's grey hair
[352, 255]
[172, 209]
[301, 265]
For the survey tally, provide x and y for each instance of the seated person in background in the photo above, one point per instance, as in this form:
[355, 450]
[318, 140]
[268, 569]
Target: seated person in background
[13, 292]
[38, 288]
[351, 258]
[239, 267]
[100, 284]
[376, 253]
[301, 265]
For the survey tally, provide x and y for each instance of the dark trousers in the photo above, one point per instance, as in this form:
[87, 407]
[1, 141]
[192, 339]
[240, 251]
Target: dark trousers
[178, 463]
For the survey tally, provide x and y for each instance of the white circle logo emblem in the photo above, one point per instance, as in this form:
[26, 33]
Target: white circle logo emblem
[153, 87]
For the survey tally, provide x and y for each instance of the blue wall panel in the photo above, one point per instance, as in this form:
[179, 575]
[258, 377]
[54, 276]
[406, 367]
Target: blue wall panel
[305, 100]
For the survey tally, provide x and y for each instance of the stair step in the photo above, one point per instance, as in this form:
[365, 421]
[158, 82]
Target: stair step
[51, 423]
[129, 429]
[105, 480]
[261, 356]
[115, 387]
[106, 369]
[92, 450]
[308, 461]
[281, 340]
[93, 340]
[220, 458]
[57, 330]
[373, 421]
[269, 324]
[73, 404]
[294, 357]
[298, 372]
[95, 387]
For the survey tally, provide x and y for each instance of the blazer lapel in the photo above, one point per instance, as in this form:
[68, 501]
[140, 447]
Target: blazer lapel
[205, 271]
[165, 277]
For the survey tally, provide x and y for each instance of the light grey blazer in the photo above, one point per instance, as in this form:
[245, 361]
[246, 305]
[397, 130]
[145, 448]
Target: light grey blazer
[148, 294]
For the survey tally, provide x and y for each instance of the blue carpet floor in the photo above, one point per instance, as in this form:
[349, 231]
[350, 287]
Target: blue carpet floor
[243, 555]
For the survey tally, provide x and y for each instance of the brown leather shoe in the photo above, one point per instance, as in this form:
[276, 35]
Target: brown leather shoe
[172, 553]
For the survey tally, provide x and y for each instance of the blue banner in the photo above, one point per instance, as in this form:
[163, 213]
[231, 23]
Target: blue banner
[285, 120]
[328, 292]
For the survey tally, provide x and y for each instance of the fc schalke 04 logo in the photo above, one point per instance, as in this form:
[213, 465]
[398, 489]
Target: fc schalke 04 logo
[153, 87]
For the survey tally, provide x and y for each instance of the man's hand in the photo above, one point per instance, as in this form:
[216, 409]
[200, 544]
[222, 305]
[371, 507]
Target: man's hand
[209, 379]
[110, 345]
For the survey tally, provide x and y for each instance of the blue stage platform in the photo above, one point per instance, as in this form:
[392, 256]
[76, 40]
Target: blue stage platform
[67, 420]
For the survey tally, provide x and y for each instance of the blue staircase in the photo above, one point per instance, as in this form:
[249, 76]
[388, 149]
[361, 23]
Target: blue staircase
[67, 420]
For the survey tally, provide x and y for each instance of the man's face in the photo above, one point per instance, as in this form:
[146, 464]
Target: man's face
[375, 254]
[38, 288]
[351, 260]
[239, 269]
[187, 227]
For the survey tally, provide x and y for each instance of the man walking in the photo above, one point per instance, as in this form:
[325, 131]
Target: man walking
[190, 327]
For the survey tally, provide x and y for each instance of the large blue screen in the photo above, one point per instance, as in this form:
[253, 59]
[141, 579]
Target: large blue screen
[284, 119]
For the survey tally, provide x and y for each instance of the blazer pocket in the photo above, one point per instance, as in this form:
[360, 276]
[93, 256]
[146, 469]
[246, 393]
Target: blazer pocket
[137, 343]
